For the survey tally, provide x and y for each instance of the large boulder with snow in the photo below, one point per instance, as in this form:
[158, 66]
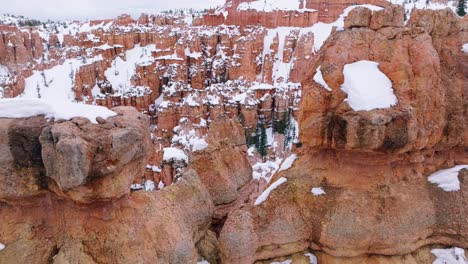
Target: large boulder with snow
[88, 162]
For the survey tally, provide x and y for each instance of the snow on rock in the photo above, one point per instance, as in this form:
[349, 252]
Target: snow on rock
[189, 139]
[199, 144]
[266, 169]
[121, 71]
[268, 190]
[173, 154]
[318, 78]
[464, 48]
[153, 168]
[322, 30]
[447, 179]
[55, 84]
[367, 87]
[4, 76]
[424, 4]
[312, 258]
[59, 110]
[317, 191]
[2, 246]
[147, 186]
[288, 162]
[281, 70]
[453, 255]
[274, 5]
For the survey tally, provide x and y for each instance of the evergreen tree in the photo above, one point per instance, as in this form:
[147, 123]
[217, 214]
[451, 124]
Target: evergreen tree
[38, 89]
[263, 142]
[461, 7]
[258, 136]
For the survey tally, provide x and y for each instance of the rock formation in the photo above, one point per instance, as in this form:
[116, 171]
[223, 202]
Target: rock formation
[372, 165]
[235, 140]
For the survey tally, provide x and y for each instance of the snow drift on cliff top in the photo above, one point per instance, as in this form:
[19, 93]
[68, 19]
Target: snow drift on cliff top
[59, 110]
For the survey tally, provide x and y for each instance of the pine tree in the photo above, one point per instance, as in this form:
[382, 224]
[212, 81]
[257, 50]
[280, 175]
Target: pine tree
[461, 7]
[263, 142]
[258, 135]
[38, 89]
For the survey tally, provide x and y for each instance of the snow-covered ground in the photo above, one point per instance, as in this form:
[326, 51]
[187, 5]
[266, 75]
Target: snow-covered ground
[55, 84]
[367, 87]
[2, 246]
[59, 110]
[122, 70]
[268, 190]
[447, 179]
[453, 255]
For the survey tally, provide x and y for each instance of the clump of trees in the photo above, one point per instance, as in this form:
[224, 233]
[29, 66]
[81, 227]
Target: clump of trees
[283, 125]
[461, 8]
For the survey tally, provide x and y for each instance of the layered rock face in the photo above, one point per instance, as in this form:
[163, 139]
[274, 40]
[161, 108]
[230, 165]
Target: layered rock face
[65, 195]
[372, 165]
[294, 14]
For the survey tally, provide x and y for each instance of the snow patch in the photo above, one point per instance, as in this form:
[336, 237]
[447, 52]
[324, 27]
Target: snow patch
[288, 162]
[173, 154]
[447, 179]
[2, 246]
[367, 87]
[121, 71]
[317, 191]
[55, 84]
[453, 255]
[312, 258]
[59, 110]
[465, 48]
[268, 190]
[266, 169]
[318, 78]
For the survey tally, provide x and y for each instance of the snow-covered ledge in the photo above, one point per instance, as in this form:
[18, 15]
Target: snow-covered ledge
[21, 108]
[367, 87]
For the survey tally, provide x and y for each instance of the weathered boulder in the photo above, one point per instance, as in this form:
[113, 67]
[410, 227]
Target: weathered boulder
[88, 162]
[223, 169]
[391, 16]
[358, 17]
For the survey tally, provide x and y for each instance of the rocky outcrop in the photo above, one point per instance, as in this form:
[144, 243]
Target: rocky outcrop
[69, 184]
[372, 165]
[76, 159]
[87, 162]
[223, 167]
